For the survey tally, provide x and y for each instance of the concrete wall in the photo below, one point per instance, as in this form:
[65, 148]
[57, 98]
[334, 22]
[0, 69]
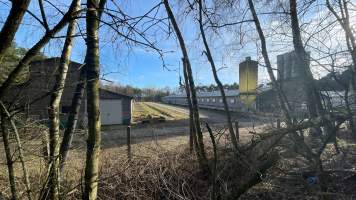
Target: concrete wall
[126, 110]
[125, 100]
[41, 82]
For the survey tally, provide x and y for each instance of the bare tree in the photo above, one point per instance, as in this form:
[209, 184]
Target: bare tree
[275, 85]
[192, 134]
[72, 118]
[12, 24]
[9, 161]
[313, 97]
[19, 149]
[208, 54]
[32, 52]
[200, 150]
[53, 110]
[92, 79]
[75, 107]
[343, 19]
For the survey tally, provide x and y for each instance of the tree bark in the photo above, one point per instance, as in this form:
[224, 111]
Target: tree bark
[53, 110]
[313, 97]
[72, 119]
[92, 72]
[233, 138]
[203, 161]
[20, 151]
[12, 24]
[75, 109]
[32, 52]
[275, 85]
[344, 21]
[192, 135]
[9, 162]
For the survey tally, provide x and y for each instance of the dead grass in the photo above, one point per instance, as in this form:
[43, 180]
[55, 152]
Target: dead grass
[146, 110]
[164, 169]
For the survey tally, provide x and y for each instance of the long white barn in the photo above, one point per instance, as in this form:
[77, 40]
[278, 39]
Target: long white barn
[211, 100]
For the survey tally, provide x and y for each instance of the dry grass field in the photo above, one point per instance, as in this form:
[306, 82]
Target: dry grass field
[163, 168]
[146, 110]
[113, 158]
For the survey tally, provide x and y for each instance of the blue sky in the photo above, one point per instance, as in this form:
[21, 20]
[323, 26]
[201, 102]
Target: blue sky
[136, 66]
[142, 67]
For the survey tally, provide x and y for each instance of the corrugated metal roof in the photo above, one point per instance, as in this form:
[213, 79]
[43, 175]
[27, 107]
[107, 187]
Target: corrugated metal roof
[215, 93]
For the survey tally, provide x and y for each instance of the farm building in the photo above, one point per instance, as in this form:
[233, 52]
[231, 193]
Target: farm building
[331, 91]
[210, 100]
[263, 99]
[35, 95]
[242, 99]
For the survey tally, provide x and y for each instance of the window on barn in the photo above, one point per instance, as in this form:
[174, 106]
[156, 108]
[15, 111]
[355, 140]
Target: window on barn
[207, 100]
[220, 100]
[232, 100]
[214, 100]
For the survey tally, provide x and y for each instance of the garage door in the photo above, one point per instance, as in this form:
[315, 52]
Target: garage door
[110, 111]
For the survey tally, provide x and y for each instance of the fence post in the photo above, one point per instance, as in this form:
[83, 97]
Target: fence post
[237, 134]
[128, 142]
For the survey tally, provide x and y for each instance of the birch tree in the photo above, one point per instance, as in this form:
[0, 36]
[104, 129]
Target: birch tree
[53, 110]
[92, 81]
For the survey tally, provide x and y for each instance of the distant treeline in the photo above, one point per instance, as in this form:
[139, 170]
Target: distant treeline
[213, 87]
[155, 94]
[139, 94]
[11, 58]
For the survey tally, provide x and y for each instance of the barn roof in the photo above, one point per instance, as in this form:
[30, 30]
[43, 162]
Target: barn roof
[54, 59]
[328, 82]
[216, 93]
[107, 94]
[104, 93]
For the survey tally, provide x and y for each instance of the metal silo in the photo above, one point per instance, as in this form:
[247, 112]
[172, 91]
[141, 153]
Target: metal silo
[248, 76]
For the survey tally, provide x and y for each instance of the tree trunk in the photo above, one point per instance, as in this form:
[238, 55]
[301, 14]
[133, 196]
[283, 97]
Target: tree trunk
[203, 161]
[75, 109]
[20, 151]
[92, 72]
[9, 162]
[32, 52]
[12, 24]
[192, 135]
[53, 111]
[344, 21]
[72, 119]
[233, 138]
[313, 97]
[283, 102]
